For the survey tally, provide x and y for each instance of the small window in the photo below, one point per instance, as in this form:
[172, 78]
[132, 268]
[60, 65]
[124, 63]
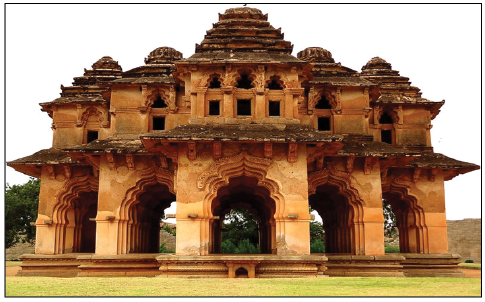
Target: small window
[158, 123]
[386, 136]
[386, 118]
[274, 85]
[244, 82]
[323, 124]
[91, 136]
[159, 103]
[215, 83]
[323, 103]
[274, 108]
[214, 108]
[244, 107]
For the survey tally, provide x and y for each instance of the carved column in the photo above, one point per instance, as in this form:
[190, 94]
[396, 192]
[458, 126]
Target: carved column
[201, 91]
[228, 101]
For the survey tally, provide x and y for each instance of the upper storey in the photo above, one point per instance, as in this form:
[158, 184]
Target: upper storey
[243, 34]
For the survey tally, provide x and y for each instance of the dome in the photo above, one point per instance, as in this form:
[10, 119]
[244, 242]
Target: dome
[316, 54]
[242, 11]
[106, 62]
[377, 63]
[163, 55]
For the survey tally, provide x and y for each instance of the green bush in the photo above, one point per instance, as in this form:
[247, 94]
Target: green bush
[391, 249]
[227, 247]
[469, 261]
[163, 249]
[246, 247]
[317, 246]
[169, 230]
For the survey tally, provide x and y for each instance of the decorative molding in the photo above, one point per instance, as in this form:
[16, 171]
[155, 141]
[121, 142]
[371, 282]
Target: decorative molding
[368, 165]
[292, 152]
[217, 150]
[191, 151]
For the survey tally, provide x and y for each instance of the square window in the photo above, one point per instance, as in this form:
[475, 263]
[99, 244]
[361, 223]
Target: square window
[386, 136]
[274, 108]
[214, 108]
[324, 124]
[158, 123]
[244, 107]
[91, 136]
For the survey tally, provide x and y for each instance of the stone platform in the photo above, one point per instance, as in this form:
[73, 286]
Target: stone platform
[240, 266]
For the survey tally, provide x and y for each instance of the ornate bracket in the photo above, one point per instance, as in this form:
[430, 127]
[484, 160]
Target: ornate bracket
[350, 163]
[130, 162]
[292, 152]
[368, 165]
[268, 149]
[191, 151]
[416, 175]
[217, 150]
[111, 161]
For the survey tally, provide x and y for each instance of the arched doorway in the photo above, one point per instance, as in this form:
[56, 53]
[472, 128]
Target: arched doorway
[144, 218]
[243, 192]
[341, 219]
[409, 222]
[80, 225]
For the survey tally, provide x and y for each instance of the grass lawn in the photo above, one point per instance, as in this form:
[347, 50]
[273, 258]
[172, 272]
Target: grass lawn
[335, 286]
[471, 265]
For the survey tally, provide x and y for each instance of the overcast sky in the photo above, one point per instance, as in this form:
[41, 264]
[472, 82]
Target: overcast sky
[437, 46]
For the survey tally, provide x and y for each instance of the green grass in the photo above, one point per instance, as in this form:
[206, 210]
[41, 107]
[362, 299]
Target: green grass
[13, 263]
[471, 265]
[326, 286]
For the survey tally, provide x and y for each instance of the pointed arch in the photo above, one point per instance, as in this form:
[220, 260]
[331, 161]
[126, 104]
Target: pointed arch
[243, 164]
[126, 214]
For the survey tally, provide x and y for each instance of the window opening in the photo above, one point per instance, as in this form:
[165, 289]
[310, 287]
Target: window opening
[215, 83]
[386, 136]
[244, 82]
[274, 108]
[91, 136]
[323, 103]
[244, 107]
[214, 108]
[274, 85]
[158, 123]
[159, 103]
[323, 124]
[386, 119]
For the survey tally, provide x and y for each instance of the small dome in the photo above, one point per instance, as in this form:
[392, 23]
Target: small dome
[316, 54]
[242, 11]
[163, 55]
[377, 63]
[106, 62]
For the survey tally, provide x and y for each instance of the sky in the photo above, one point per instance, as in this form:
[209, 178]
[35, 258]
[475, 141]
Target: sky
[437, 46]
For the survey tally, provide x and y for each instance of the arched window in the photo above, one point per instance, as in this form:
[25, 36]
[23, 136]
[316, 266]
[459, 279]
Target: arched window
[323, 103]
[386, 118]
[159, 103]
[273, 84]
[215, 83]
[244, 82]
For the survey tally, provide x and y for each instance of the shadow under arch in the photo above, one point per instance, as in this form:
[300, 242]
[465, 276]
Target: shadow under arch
[71, 213]
[341, 209]
[243, 193]
[410, 218]
[140, 212]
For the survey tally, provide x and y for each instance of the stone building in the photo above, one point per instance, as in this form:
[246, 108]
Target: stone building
[241, 123]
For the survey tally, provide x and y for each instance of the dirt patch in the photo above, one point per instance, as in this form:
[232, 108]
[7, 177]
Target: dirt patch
[11, 270]
[472, 273]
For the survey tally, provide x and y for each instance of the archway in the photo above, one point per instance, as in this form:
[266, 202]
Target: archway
[144, 218]
[243, 192]
[409, 222]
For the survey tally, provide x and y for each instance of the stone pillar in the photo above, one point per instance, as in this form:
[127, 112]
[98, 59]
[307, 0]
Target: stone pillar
[201, 101]
[228, 105]
[366, 179]
[260, 104]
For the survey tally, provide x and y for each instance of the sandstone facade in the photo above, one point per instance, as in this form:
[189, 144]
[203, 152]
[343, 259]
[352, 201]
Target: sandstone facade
[241, 123]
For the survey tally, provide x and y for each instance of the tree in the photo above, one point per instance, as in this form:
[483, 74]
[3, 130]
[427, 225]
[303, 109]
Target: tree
[240, 231]
[21, 205]
[390, 226]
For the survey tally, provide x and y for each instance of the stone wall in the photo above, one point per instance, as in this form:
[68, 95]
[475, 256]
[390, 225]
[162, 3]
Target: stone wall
[20, 248]
[169, 239]
[465, 238]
